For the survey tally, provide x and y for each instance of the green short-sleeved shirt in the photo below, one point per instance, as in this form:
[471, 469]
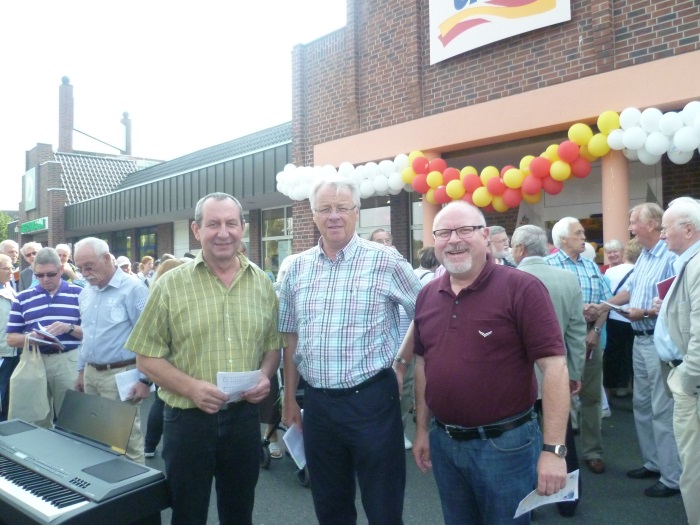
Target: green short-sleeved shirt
[201, 327]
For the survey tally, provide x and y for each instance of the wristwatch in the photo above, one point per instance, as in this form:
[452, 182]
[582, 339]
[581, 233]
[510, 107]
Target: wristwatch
[597, 329]
[645, 314]
[146, 382]
[559, 450]
[400, 360]
[70, 329]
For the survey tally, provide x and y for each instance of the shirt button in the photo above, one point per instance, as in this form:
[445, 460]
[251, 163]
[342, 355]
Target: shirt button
[456, 302]
[228, 339]
[454, 316]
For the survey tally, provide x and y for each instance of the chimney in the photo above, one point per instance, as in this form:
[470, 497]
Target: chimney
[65, 116]
[127, 124]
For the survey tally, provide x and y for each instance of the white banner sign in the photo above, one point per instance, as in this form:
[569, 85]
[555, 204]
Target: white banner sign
[457, 26]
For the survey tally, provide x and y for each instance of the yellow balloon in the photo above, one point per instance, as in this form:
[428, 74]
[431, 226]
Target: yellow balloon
[481, 197]
[552, 152]
[525, 163]
[430, 196]
[513, 178]
[608, 121]
[467, 170]
[434, 179]
[498, 204]
[580, 134]
[560, 170]
[407, 175]
[583, 152]
[598, 145]
[532, 199]
[413, 156]
[455, 189]
[487, 173]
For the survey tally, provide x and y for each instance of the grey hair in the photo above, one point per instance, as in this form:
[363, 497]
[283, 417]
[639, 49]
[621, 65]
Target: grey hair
[533, 238]
[47, 256]
[339, 184]
[31, 244]
[649, 212]
[5, 258]
[561, 230]
[8, 242]
[613, 244]
[495, 230]
[686, 210]
[379, 230]
[63, 247]
[98, 246]
[217, 196]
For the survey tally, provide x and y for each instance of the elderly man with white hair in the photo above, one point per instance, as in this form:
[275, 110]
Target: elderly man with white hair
[26, 276]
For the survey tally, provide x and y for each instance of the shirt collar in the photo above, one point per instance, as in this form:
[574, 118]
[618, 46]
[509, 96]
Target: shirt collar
[685, 256]
[346, 252]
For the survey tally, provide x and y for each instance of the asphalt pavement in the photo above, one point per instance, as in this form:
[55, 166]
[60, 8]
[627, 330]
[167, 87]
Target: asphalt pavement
[609, 498]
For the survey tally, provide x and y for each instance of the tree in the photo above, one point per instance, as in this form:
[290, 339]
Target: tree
[5, 219]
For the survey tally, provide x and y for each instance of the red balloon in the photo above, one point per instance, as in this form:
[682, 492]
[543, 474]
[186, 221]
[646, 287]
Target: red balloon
[488, 209]
[471, 182]
[496, 186]
[437, 165]
[420, 165]
[450, 174]
[441, 196]
[551, 186]
[420, 183]
[467, 197]
[568, 151]
[580, 168]
[512, 197]
[531, 185]
[539, 167]
[506, 168]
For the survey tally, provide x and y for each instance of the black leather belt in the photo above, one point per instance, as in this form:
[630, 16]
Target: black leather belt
[112, 366]
[52, 350]
[487, 431]
[643, 332]
[674, 363]
[340, 392]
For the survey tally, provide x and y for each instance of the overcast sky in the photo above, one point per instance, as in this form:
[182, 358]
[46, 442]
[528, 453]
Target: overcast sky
[190, 74]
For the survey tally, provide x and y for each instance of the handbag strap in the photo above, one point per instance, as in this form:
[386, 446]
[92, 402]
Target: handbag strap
[622, 281]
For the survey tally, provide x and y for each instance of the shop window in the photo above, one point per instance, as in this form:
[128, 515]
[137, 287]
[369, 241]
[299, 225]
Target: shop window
[147, 244]
[121, 244]
[277, 231]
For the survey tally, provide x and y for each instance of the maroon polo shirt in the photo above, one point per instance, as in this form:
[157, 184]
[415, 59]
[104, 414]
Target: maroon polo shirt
[480, 346]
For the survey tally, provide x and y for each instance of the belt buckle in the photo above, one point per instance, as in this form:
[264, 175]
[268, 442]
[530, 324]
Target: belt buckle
[450, 429]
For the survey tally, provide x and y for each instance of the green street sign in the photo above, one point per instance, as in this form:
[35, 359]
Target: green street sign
[35, 225]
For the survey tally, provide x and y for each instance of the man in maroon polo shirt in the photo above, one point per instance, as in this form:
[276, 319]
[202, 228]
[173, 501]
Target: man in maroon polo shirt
[479, 330]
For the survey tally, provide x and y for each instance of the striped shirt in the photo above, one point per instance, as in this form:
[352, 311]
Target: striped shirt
[35, 306]
[201, 327]
[346, 312]
[652, 266]
[594, 288]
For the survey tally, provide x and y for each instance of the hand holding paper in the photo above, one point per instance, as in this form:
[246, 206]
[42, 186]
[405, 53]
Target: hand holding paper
[235, 383]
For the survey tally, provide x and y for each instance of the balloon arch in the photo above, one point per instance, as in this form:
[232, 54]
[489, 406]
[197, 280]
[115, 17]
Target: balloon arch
[641, 135]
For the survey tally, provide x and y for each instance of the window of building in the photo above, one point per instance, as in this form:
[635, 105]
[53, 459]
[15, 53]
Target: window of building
[121, 244]
[374, 213]
[276, 238]
[416, 226]
[146, 243]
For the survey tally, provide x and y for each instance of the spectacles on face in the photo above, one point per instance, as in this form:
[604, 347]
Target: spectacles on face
[463, 232]
[329, 211]
[664, 230]
[50, 275]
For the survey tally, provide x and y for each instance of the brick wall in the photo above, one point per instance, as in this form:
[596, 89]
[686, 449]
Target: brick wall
[680, 181]
[164, 240]
[254, 234]
[305, 232]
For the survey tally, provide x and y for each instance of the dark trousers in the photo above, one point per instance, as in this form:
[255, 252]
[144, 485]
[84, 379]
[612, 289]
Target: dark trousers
[154, 425]
[199, 447]
[356, 434]
[8, 366]
[617, 358]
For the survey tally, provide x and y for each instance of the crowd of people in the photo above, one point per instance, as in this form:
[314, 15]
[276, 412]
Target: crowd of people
[486, 342]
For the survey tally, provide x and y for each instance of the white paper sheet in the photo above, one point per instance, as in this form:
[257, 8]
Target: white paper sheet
[235, 383]
[294, 441]
[125, 380]
[534, 500]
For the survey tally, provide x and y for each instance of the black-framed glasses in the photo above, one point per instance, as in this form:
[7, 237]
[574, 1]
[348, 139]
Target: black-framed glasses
[50, 275]
[463, 232]
[341, 210]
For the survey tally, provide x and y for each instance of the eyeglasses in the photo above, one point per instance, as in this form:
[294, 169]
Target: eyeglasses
[50, 275]
[463, 232]
[340, 211]
[664, 230]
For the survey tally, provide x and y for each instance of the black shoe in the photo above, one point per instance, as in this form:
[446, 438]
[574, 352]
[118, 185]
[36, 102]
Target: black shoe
[642, 473]
[659, 490]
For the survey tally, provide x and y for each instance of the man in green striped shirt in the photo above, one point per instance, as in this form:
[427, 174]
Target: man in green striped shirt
[217, 313]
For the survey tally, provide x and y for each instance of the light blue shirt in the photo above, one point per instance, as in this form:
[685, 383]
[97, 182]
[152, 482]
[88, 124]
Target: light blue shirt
[665, 347]
[107, 317]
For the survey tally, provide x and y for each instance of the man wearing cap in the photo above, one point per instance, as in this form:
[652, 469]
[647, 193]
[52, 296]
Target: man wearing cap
[124, 264]
[51, 306]
[109, 309]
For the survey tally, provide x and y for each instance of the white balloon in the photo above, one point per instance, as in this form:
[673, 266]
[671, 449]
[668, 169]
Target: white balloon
[629, 118]
[386, 167]
[696, 124]
[631, 154]
[401, 162]
[393, 191]
[329, 170]
[396, 182]
[670, 122]
[360, 173]
[366, 189]
[381, 184]
[615, 140]
[657, 143]
[290, 167]
[680, 157]
[634, 138]
[345, 169]
[686, 139]
[690, 112]
[372, 169]
[649, 120]
[646, 158]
